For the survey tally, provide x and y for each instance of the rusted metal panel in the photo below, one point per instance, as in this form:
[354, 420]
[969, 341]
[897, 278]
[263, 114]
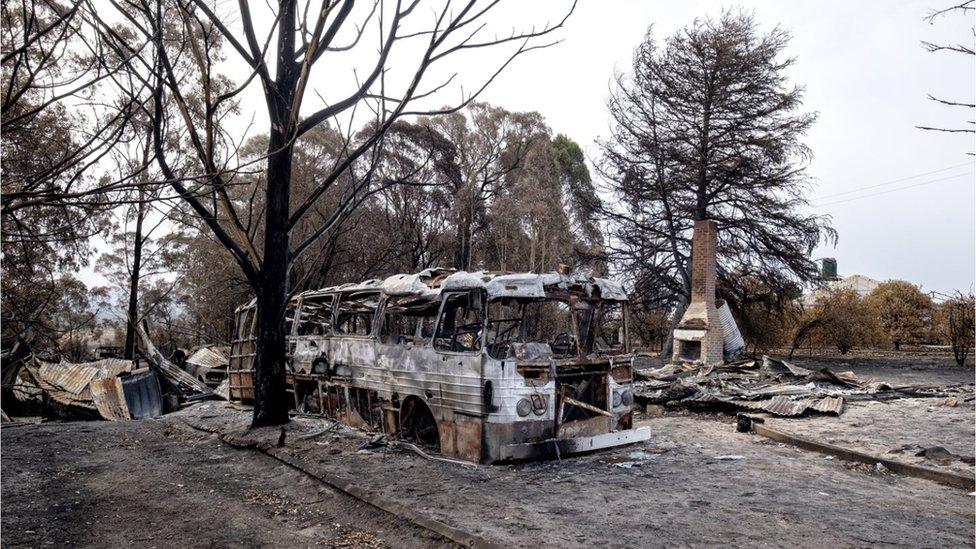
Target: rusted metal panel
[461, 438]
[72, 378]
[241, 385]
[109, 398]
[829, 405]
[585, 427]
[108, 367]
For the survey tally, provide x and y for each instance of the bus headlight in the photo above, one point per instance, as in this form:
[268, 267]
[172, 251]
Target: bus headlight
[627, 397]
[616, 399]
[539, 404]
[523, 407]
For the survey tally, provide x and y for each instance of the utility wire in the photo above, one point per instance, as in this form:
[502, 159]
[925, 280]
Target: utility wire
[893, 181]
[893, 190]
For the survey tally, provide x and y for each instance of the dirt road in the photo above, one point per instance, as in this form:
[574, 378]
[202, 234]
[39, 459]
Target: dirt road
[161, 484]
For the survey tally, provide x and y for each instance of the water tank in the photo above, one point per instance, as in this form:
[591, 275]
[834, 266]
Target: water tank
[828, 268]
[733, 342]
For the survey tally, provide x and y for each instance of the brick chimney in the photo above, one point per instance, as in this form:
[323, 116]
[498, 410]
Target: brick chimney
[699, 336]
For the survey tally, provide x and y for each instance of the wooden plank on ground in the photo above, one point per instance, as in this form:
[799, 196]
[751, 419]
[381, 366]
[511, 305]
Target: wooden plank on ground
[949, 478]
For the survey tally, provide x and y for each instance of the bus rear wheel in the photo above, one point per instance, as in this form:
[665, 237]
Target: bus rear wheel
[417, 424]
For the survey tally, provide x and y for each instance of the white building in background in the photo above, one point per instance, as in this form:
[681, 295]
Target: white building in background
[861, 284]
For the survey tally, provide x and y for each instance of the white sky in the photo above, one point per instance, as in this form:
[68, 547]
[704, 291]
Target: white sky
[867, 76]
[864, 70]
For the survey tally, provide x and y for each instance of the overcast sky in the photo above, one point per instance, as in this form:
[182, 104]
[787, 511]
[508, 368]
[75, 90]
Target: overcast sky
[866, 74]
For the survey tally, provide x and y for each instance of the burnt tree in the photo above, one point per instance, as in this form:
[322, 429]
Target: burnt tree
[709, 126]
[281, 46]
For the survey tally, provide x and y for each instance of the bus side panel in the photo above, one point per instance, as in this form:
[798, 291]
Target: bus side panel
[448, 383]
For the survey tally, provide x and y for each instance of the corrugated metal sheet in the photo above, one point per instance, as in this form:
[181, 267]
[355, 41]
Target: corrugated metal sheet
[170, 370]
[707, 397]
[82, 399]
[72, 378]
[111, 367]
[732, 338]
[783, 406]
[92, 386]
[829, 405]
[208, 357]
[109, 398]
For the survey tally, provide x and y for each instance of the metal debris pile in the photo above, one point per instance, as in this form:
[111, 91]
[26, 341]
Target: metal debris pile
[766, 385]
[112, 389]
[179, 382]
[108, 388]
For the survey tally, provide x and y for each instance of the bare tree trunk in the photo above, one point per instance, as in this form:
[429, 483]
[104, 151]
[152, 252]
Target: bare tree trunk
[270, 396]
[462, 252]
[130, 329]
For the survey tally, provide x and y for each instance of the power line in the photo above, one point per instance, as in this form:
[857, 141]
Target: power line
[893, 190]
[893, 181]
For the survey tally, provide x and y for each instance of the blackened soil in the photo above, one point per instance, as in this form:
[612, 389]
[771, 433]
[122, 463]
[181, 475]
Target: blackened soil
[161, 484]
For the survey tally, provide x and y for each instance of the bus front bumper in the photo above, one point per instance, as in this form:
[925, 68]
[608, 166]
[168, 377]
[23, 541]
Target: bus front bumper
[547, 448]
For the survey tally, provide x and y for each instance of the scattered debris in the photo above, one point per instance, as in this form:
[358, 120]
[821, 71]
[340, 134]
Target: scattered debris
[729, 457]
[223, 389]
[209, 364]
[377, 441]
[413, 448]
[110, 388]
[769, 385]
[187, 386]
[356, 539]
[935, 453]
[942, 456]
[12, 362]
[636, 458]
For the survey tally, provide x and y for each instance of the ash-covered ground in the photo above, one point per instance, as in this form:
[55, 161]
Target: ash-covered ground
[697, 481]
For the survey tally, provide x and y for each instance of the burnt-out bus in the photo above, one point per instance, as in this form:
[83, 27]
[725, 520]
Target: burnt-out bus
[483, 366]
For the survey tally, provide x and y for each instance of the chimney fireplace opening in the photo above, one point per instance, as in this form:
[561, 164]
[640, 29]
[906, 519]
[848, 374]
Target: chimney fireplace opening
[690, 350]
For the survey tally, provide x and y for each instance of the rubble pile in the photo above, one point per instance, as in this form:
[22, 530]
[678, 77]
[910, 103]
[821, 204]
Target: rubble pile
[767, 385]
[108, 388]
[112, 389]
